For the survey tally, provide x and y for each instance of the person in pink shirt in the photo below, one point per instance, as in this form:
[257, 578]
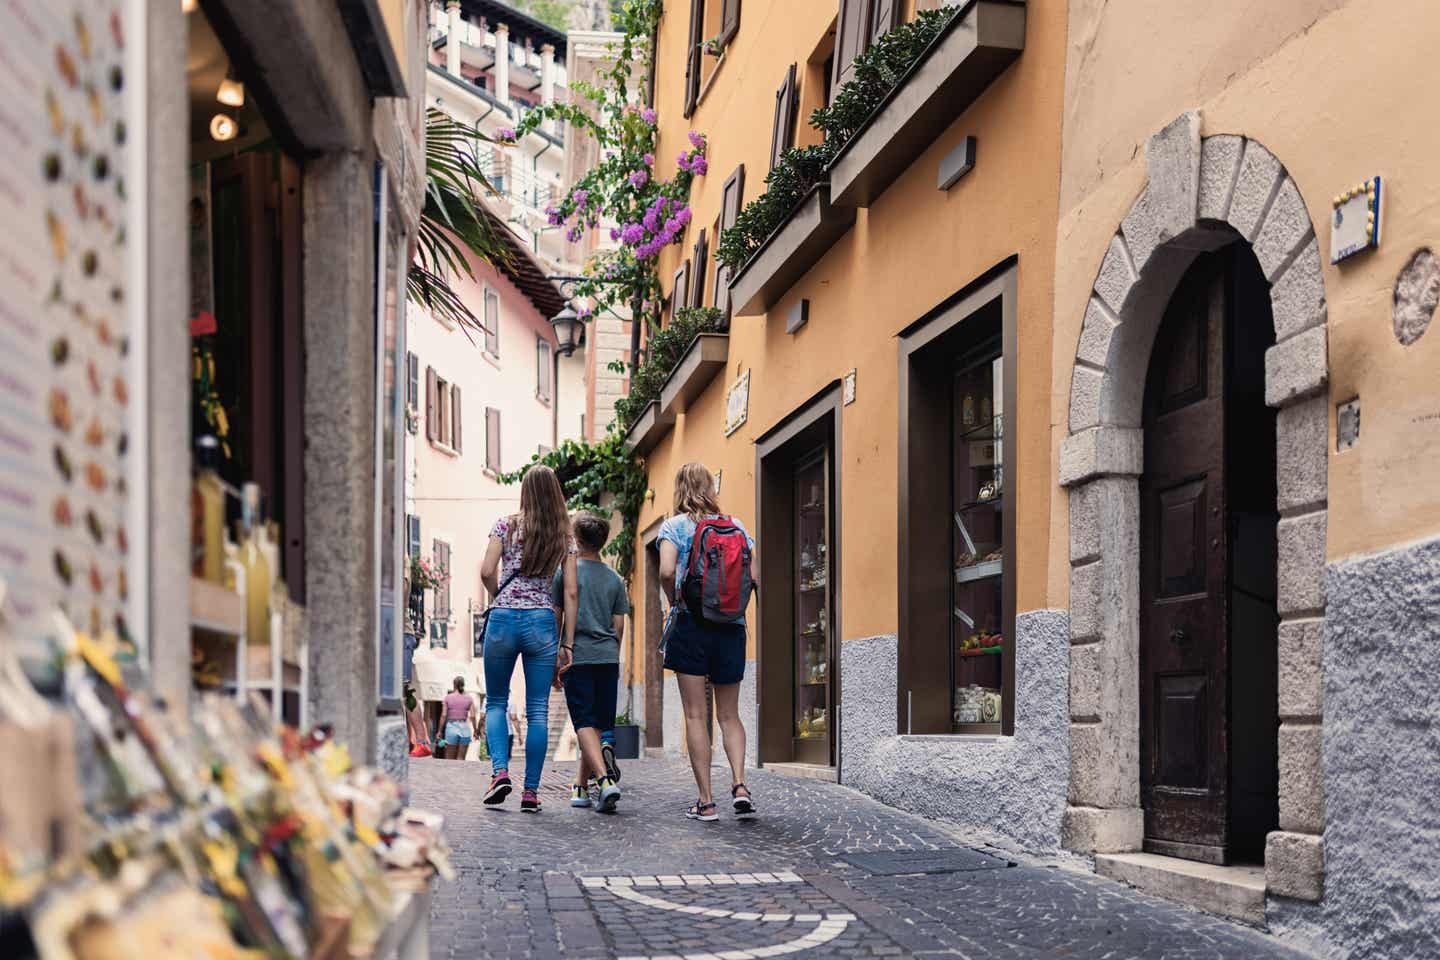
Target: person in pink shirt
[459, 721]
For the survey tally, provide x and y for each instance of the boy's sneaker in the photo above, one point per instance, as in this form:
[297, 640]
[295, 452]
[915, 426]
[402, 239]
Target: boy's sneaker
[612, 769]
[529, 802]
[744, 807]
[579, 796]
[500, 788]
[609, 795]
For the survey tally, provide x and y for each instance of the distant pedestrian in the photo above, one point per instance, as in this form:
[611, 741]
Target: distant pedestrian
[593, 678]
[525, 551]
[459, 721]
[698, 647]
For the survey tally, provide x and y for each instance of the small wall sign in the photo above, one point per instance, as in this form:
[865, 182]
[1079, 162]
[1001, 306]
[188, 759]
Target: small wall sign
[737, 404]
[1355, 220]
[849, 388]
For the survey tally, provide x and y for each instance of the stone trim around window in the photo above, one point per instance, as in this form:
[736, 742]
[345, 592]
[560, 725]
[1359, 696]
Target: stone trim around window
[1194, 183]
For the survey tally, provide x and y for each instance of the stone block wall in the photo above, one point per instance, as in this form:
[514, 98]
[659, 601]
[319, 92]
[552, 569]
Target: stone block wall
[1014, 786]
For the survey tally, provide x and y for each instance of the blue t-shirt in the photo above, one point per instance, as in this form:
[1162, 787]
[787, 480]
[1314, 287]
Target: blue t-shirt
[680, 530]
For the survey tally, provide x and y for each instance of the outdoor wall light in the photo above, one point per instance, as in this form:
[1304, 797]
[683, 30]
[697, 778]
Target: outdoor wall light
[566, 322]
[189, 6]
[231, 92]
[223, 127]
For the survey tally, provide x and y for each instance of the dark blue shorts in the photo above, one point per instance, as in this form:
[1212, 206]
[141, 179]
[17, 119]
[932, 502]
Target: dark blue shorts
[716, 651]
[590, 690]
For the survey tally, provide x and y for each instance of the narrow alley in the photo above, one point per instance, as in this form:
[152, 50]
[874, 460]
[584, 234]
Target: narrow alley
[824, 872]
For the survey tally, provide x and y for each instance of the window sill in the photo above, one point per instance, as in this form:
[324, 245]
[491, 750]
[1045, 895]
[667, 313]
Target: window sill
[979, 739]
[447, 324]
[952, 73]
[445, 448]
[809, 232]
[492, 358]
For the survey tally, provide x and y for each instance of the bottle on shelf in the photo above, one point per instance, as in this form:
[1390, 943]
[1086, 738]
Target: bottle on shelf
[207, 504]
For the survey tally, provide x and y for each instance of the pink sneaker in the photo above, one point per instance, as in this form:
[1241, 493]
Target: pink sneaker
[500, 788]
[529, 802]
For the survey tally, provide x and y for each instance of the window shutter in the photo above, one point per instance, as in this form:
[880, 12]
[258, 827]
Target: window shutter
[543, 367]
[492, 323]
[731, 196]
[412, 537]
[782, 134]
[883, 19]
[680, 291]
[412, 380]
[430, 403]
[455, 417]
[692, 59]
[492, 438]
[729, 20]
[852, 30]
[702, 266]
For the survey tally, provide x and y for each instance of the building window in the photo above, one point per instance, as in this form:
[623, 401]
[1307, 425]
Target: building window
[710, 20]
[412, 381]
[492, 322]
[412, 535]
[439, 426]
[442, 569]
[543, 367]
[492, 439]
[957, 522]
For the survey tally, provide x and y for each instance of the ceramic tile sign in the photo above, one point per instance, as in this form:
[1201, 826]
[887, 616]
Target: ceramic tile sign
[1355, 220]
[72, 530]
[737, 404]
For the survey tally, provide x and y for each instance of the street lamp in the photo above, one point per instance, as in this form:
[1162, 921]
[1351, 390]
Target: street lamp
[566, 323]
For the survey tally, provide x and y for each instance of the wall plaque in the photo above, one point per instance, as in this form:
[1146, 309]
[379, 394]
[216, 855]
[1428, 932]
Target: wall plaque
[737, 404]
[1355, 220]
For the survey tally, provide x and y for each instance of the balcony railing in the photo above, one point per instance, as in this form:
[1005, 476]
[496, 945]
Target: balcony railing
[515, 183]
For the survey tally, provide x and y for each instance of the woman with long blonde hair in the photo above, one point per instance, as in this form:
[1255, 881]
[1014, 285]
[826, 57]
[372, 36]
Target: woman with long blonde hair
[525, 550]
[702, 650]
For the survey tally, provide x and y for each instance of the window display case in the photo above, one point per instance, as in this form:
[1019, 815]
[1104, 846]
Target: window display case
[814, 700]
[978, 501]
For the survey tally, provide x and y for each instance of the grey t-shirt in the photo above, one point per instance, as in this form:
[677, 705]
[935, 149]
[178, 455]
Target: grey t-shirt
[602, 597]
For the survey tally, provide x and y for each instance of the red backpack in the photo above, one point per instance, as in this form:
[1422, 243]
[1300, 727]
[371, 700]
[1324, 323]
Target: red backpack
[717, 585]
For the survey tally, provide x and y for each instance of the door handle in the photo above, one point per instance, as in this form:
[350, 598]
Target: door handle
[1179, 637]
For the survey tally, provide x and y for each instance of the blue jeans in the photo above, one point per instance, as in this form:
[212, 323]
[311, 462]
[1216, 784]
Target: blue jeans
[532, 636]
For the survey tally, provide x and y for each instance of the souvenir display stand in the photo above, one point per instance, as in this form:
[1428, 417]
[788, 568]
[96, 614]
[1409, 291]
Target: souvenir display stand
[268, 843]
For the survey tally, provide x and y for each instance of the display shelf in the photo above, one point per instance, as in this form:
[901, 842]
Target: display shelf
[982, 652]
[215, 609]
[984, 570]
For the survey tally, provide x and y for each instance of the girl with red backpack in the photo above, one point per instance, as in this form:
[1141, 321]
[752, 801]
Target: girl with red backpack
[705, 571]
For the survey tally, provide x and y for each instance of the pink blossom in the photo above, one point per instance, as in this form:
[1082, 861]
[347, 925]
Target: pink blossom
[697, 140]
[649, 159]
[639, 178]
[699, 165]
[505, 135]
[649, 116]
[632, 233]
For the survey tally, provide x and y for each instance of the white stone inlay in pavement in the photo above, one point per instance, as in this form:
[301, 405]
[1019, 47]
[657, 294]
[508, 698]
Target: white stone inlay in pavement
[829, 926]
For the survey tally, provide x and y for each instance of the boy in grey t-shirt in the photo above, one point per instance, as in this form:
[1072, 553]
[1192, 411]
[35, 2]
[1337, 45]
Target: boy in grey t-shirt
[593, 678]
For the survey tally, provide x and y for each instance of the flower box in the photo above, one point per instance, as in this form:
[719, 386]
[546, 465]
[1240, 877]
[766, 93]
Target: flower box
[964, 59]
[703, 360]
[796, 245]
[647, 431]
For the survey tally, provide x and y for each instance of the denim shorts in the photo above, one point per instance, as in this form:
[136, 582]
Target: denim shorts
[457, 732]
[715, 650]
[590, 693]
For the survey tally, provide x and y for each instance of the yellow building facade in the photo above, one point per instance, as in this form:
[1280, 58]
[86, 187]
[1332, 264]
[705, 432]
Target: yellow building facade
[1107, 439]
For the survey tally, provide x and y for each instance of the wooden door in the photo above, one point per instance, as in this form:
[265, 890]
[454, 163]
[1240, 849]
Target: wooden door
[1183, 576]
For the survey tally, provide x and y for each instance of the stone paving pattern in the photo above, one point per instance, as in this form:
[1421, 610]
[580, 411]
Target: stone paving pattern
[522, 890]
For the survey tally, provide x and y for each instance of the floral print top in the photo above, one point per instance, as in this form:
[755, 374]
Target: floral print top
[521, 593]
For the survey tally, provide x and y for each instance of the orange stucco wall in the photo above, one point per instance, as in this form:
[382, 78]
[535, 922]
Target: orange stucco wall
[907, 253]
[1273, 72]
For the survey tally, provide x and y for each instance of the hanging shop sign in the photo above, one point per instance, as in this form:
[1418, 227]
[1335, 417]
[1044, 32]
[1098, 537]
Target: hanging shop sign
[1355, 220]
[737, 404]
[72, 487]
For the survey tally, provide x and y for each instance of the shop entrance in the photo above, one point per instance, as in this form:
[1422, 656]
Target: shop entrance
[796, 664]
[1208, 714]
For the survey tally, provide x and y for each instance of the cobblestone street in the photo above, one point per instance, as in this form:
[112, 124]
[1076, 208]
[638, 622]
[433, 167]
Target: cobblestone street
[824, 872]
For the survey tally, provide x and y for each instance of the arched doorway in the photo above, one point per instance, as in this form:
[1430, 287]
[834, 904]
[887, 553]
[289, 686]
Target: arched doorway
[1208, 766]
[1202, 195]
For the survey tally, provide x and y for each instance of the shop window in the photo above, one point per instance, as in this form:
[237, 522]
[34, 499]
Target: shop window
[957, 523]
[543, 364]
[492, 322]
[442, 568]
[492, 439]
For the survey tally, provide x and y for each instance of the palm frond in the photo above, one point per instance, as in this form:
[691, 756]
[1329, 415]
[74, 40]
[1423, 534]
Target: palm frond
[454, 225]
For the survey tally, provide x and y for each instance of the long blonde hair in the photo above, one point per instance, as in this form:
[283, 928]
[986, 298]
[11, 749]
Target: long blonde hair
[544, 521]
[695, 492]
